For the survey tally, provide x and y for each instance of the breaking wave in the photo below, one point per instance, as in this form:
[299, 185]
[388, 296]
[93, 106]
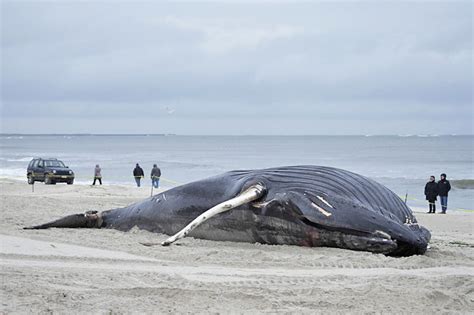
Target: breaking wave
[463, 183]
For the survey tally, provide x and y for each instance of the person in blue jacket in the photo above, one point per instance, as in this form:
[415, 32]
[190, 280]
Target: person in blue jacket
[443, 188]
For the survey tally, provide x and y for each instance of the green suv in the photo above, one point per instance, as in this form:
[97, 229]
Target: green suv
[49, 171]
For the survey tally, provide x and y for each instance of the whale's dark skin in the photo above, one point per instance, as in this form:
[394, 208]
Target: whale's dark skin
[302, 205]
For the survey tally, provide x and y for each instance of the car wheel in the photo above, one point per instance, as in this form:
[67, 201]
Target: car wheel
[70, 182]
[31, 180]
[47, 180]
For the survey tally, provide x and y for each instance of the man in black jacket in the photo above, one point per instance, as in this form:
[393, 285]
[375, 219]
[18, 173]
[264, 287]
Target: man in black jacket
[443, 188]
[138, 174]
[431, 192]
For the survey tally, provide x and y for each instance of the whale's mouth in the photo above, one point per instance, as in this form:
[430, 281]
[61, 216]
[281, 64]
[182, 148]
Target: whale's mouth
[376, 242]
[334, 229]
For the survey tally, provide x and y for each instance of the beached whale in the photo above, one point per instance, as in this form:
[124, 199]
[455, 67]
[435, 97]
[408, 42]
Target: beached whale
[295, 205]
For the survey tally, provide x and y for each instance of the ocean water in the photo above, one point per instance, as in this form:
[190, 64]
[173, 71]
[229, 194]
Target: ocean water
[402, 163]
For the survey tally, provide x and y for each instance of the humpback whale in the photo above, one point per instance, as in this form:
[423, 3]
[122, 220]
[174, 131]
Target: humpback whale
[295, 205]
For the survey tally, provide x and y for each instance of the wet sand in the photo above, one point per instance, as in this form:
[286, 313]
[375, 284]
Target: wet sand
[107, 271]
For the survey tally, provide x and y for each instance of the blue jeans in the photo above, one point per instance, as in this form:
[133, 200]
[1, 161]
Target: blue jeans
[444, 202]
[155, 182]
[137, 179]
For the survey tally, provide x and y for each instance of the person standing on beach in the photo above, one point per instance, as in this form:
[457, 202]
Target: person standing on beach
[97, 174]
[431, 192]
[443, 188]
[138, 174]
[155, 176]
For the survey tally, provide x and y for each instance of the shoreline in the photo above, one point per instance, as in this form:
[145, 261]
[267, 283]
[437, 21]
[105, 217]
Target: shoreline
[81, 182]
[102, 270]
[146, 184]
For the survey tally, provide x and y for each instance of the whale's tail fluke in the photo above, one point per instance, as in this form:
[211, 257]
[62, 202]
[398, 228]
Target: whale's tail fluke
[90, 219]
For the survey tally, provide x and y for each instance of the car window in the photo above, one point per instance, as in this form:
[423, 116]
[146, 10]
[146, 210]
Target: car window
[35, 163]
[40, 163]
[53, 163]
[31, 163]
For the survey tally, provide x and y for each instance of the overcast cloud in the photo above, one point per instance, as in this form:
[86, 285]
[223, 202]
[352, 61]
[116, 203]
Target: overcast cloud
[237, 68]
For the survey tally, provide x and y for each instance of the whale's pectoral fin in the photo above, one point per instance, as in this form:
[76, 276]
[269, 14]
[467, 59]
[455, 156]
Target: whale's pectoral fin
[253, 193]
[90, 219]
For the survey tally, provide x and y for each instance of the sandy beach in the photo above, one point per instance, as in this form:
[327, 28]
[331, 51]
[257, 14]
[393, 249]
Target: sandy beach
[107, 271]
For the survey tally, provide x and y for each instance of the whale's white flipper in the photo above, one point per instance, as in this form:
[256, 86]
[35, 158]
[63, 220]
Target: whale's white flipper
[252, 193]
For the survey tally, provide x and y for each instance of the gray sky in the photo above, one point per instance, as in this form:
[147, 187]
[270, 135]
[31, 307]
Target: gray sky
[237, 68]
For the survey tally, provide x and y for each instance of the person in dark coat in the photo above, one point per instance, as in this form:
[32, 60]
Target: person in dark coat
[138, 174]
[155, 176]
[443, 188]
[97, 174]
[431, 192]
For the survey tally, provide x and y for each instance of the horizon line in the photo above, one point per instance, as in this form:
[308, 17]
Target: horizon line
[233, 135]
